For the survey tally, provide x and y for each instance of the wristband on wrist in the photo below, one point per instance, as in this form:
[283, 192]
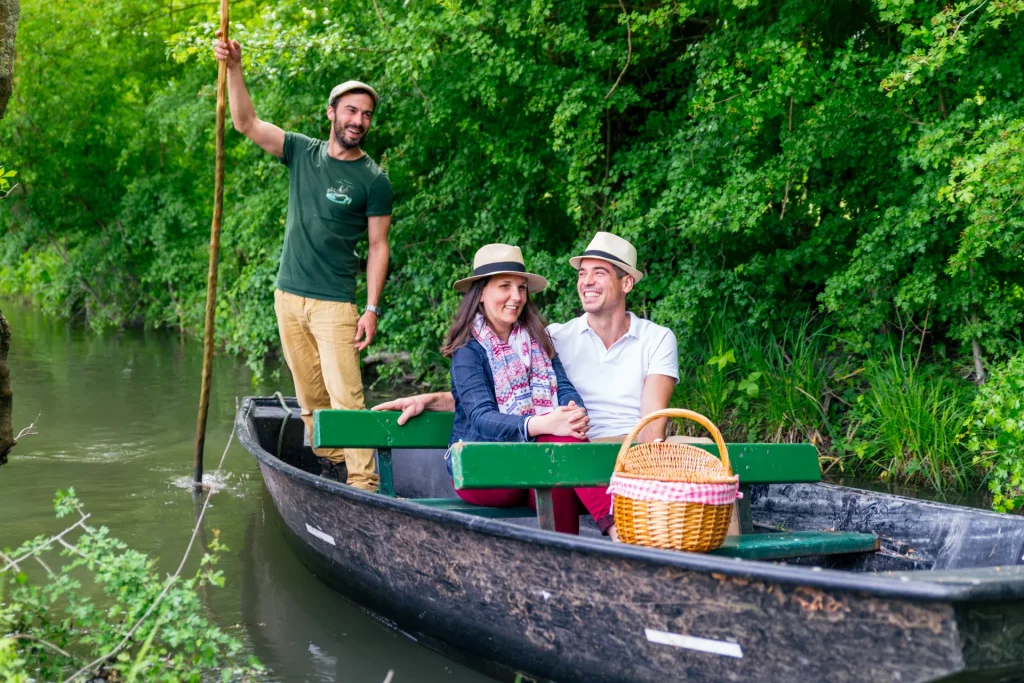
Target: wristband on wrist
[373, 309]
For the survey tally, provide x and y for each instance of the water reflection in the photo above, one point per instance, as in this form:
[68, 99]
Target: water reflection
[118, 423]
[301, 625]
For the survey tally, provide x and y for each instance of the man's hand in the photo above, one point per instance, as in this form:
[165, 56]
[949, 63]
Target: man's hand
[411, 406]
[570, 420]
[269, 137]
[230, 51]
[367, 328]
[580, 422]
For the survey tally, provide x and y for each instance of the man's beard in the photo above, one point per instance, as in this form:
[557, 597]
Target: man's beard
[339, 137]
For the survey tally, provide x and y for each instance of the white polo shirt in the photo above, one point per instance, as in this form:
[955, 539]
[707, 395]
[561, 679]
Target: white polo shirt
[611, 381]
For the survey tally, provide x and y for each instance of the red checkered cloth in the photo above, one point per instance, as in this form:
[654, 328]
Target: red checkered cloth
[672, 491]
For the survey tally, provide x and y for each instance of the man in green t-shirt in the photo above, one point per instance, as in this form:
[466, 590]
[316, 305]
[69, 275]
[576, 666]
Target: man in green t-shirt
[337, 194]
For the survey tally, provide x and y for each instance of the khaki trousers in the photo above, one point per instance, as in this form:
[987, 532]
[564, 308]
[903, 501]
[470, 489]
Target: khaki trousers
[318, 338]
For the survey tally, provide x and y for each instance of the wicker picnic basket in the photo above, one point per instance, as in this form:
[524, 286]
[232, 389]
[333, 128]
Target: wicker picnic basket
[673, 495]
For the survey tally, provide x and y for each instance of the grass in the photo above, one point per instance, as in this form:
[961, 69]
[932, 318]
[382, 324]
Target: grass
[879, 416]
[908, 427]
[759, 386]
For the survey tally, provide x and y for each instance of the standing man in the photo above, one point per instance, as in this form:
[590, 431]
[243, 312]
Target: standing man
[337, 194]
[624, 367]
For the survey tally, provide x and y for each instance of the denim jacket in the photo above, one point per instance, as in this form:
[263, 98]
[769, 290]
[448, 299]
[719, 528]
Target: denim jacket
[477, 417]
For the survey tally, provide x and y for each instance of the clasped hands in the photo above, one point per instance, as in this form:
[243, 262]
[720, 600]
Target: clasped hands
[570, 420]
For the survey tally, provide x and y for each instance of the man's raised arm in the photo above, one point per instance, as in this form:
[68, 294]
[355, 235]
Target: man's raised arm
[243, 113]
[411, 406]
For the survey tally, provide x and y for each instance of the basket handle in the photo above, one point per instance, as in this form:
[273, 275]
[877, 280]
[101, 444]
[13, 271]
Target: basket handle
[681, 413]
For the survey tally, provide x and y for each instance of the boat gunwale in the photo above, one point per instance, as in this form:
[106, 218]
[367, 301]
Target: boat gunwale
[888, 585]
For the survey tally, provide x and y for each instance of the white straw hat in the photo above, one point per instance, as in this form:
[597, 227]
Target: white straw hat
[500, 259]
[614, 250]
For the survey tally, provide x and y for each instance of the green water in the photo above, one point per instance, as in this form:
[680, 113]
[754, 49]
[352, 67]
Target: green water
[116, 420]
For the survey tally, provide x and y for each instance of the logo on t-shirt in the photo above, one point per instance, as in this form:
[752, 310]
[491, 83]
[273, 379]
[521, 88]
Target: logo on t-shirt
[339, 195]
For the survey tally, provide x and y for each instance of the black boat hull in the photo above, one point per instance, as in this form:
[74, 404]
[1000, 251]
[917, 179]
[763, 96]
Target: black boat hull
[577, 609]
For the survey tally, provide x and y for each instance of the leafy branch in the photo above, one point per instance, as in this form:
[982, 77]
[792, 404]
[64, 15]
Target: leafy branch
[160, 633]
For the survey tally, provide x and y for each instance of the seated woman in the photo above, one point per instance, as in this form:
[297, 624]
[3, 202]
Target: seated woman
[507, 382]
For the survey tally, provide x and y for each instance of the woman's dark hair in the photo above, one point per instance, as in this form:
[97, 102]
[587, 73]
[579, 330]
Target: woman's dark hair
[461, 330]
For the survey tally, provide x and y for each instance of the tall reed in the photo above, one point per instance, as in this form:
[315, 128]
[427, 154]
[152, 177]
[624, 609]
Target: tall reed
[908, 426]
[881, 415]
[762, 386]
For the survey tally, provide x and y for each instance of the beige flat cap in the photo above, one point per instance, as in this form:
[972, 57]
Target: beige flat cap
[348, 86]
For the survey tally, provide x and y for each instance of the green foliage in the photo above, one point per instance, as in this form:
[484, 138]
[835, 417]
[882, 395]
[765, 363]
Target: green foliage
[886, 417]
[760, 386]
[861, 161]
[765, 158]
[109, 609]
[998, 435]
[5, 181]
[908, 424]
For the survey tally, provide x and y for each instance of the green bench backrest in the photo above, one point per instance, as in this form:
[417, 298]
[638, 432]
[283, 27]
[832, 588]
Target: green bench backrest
[515, 465]
[518, 465]
[369, 429]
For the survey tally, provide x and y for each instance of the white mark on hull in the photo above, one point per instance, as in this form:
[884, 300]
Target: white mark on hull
[326, 538]
[715, 647]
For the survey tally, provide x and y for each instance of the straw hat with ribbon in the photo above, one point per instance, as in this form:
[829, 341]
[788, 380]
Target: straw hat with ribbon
[500, 259]
[614, 250]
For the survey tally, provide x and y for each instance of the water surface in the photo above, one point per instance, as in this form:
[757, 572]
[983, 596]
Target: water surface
[116, 420]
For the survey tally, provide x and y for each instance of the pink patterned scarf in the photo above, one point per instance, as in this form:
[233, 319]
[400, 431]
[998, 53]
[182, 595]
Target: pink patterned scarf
[520, 389]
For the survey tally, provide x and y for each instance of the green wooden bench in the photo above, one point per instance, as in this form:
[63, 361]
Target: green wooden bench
[380, 430]
[549, 465]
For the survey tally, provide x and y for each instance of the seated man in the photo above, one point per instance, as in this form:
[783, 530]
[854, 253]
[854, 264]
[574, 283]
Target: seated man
[623, 367]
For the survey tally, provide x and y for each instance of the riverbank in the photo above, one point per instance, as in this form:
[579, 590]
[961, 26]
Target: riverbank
[886, 412]
[887, 201]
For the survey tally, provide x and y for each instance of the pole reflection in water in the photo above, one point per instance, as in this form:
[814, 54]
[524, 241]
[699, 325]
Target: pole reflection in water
[117, 424]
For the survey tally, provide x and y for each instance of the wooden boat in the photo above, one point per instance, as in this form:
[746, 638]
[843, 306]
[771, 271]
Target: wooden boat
[942, 599]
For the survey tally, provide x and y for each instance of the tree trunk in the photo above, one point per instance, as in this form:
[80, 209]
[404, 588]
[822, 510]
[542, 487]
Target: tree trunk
[979, 367]
[6, 396]
[9, 11]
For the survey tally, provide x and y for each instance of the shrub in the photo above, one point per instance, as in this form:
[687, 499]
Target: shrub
[760, 386]
[997, 435]
[107, 613]
[875, 414]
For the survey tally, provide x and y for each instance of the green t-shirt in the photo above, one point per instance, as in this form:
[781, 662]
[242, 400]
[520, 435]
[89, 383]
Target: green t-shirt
[328, 205]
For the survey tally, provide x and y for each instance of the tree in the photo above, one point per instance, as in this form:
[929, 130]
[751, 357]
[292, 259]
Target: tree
[858, 159]
[9, 10]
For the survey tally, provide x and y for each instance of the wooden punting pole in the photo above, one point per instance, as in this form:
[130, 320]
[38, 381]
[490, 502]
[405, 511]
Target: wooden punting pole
[211, 280]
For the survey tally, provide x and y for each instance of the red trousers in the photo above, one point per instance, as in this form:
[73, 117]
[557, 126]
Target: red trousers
[568, 503]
